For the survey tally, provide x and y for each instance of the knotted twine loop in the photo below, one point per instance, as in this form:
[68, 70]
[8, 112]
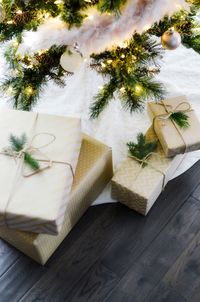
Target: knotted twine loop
[145, 161]
[169, 112]
[19, 159]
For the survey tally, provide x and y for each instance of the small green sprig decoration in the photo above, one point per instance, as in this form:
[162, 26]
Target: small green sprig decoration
[142, 148]
[17, 144]
[181, 119]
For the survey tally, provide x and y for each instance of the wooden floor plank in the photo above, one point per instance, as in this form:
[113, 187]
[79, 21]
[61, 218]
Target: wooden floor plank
[142, 230]
[184, 274]
[164, 293]
[196, 192]
[94, 286]
[68, 269]
[19, 278]
[91, 217]
[196, 296]
[8, 256]
[153, 264]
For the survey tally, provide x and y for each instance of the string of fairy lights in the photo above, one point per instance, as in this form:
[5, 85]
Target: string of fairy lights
[129, 68]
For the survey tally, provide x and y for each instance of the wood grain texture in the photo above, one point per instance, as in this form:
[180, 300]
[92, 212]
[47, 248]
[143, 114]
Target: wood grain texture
[163, 293]
[155, 261]
[115, 254]
[8, 256]
[141, 231]
[94, 286]
[185, 272]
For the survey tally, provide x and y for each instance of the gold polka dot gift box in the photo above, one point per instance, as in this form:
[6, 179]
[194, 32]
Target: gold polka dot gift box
[138, 184]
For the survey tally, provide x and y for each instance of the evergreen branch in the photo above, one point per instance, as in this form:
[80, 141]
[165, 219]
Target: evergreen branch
[31, 161]
[72, 11]
[111, 6]
[17, 144]
[129, 74]
[142, 148]
[130, 70]
[185, 23]
[29, 79]
[102, 99]
[181, 119]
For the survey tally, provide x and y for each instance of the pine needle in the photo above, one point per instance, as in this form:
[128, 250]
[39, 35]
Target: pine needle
[181, 119]
[17, 144]
[142, 148]
[31, 162]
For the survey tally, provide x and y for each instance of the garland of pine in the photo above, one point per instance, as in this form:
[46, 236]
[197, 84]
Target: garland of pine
[129, 71]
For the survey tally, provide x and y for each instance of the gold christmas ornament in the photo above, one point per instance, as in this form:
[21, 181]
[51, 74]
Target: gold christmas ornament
[71, 60]
[171, 39]
[2, 13]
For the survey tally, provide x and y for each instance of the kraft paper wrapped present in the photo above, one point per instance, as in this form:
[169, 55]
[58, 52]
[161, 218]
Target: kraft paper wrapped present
[174, 139]
[138, 187]
[94, 171]
[37, 203]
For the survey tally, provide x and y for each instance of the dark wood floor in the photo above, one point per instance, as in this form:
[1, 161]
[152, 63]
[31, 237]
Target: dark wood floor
[116, 255]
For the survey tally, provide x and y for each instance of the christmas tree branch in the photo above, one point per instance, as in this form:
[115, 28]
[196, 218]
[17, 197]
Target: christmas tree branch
[29, 75]
[130, 72]
[185, 23]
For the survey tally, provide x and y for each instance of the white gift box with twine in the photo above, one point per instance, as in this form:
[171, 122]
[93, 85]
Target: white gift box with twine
[36, 200]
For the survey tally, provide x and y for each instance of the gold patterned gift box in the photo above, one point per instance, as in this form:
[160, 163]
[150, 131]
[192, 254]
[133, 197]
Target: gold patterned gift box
[138, 187]
[94, 171]
[175, 140]
[37, 203]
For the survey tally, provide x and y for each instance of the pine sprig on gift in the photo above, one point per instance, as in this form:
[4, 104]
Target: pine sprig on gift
[181, 119]
[142, 148]
[31, 161]
[17, 144]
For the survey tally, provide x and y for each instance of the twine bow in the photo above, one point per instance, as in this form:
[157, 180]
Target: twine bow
[145, 161]
[171, 111]
[29, 149]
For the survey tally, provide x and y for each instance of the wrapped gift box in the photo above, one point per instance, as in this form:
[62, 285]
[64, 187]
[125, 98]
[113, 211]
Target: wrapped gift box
[139, 187]
[38, 203]
[94, 171]
[172, 140]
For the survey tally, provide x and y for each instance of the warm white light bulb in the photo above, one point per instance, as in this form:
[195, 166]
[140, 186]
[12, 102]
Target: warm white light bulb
[122, 90]
[138, 88]
[19, 12]
[109, 61]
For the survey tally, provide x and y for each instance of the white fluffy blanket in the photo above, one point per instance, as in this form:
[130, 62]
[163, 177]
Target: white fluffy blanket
[180, 74]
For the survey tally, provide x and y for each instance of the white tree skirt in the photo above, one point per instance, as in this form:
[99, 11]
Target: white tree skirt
[180, 74]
